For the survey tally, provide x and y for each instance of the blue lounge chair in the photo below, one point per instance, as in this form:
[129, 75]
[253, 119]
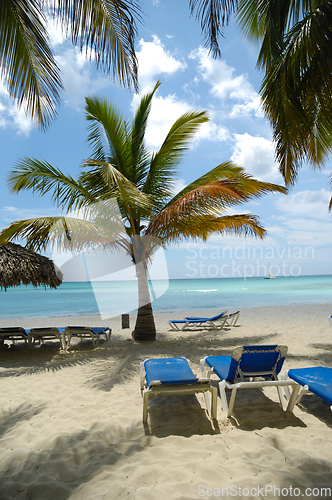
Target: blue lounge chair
[248, 367]
[40, 334]
[82, 332]
[173, 377]
[232, 318]
[317, 380]
[214, 323]
[14, 334]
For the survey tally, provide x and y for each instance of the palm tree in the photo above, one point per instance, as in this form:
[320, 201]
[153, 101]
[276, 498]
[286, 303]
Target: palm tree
[27, 63]
[122, 169]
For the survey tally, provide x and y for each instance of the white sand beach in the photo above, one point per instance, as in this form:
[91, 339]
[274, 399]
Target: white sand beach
[71, 422]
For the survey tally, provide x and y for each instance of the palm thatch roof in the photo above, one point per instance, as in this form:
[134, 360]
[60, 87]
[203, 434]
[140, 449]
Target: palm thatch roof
[18, 265]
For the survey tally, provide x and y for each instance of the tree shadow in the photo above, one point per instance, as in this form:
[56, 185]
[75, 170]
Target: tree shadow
[70, 461]
[179, 416]
[25, 411]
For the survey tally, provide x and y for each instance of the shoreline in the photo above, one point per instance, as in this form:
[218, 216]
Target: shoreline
[71, 421]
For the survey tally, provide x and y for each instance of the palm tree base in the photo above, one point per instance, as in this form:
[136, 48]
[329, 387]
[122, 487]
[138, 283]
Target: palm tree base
[145, 328]
[143, 336]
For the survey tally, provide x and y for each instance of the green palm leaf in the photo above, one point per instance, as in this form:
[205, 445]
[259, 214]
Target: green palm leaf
[66, 233]
[41, 177]
[26, 60]
[214, 15]
[108, 27]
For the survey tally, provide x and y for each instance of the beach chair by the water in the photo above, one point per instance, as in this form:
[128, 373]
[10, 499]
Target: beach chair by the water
[14, 334]
[249, 367]
[40, 334]
[213, 323]
[94, 333]
[173, 377]
[316, 380]
[232, 318]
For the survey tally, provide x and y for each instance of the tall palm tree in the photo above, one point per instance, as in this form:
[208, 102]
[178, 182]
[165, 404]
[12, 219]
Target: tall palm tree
[27, 63]
[122, 169]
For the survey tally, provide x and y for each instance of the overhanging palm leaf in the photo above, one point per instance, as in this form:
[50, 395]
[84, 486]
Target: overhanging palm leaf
[107, 27]
[214, 15]
[26, 60]
[296, 55]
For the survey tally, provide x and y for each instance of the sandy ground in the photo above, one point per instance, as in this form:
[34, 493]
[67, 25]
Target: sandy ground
[71, 421]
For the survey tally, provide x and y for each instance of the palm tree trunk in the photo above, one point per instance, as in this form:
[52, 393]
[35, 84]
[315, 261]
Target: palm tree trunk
[145, 328]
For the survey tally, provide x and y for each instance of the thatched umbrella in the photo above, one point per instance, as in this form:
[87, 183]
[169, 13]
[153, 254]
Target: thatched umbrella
[18, 265]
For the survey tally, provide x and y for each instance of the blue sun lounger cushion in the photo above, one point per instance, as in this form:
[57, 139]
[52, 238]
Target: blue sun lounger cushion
[169, 371]
[317, 380]
[248, 367]
[214, 318]
[173, 377]
[214, 323]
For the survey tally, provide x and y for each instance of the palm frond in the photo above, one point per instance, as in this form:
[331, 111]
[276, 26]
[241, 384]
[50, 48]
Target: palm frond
[163, 163]
[130, 199]
[41, 177]
[108, 134]
[108, 28]
[223, 186]
[65, 233]
[296, 94]
[139, 156]
[26, 60]
[214, 15]
[185, 228]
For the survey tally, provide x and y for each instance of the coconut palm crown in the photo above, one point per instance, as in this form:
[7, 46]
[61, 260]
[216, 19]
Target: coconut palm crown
[122, 169]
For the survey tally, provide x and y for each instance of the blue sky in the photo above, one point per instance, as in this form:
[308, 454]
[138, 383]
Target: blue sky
[170, 48]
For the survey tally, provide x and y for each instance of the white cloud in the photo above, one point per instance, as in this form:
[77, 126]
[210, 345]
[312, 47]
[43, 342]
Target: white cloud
[78, 77]
[154, 61]
[164, 112]
[226, 85]
[256, 156]
[56, 34]
[11, 115]
[311, 204]
[211, 132]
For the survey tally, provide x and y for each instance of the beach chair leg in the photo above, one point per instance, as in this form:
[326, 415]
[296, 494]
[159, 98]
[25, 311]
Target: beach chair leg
[281, 397]
[294, 398]
[202, 365]
[142, 375]
[222, 391]
[284, 376]
[63, 341]
[146, 395]
[214, 401]
[231, 402]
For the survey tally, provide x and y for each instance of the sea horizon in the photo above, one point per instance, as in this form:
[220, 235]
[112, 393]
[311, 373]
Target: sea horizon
[116, 298]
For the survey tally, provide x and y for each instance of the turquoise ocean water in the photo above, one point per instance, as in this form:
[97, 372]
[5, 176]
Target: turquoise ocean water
[190, 295]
